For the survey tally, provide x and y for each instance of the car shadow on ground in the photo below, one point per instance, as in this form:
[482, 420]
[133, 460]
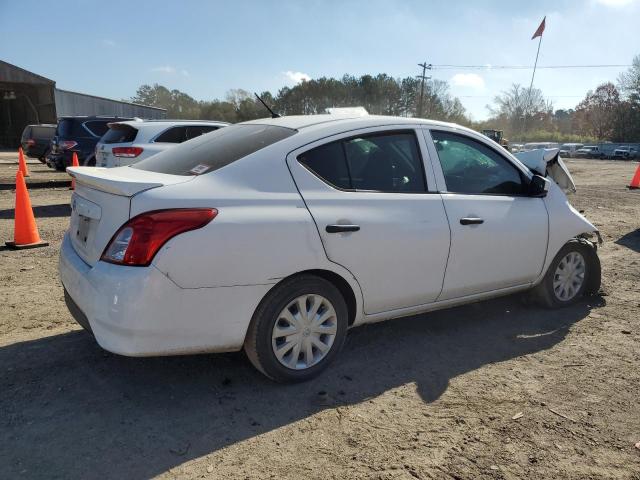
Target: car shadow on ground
[68, 409]
[630, 240]
[41, 211]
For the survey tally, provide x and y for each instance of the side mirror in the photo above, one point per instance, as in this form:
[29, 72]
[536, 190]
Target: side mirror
[538, 187]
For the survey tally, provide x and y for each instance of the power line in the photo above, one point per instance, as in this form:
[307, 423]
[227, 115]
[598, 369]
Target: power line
[526, 67]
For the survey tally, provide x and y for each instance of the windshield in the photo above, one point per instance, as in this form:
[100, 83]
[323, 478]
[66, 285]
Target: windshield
[214, 150]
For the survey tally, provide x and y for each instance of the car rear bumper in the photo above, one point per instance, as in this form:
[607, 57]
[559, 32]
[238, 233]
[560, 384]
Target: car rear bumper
[138, 311]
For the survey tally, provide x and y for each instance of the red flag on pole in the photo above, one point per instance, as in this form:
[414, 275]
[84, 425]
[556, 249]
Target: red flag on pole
[540, 29]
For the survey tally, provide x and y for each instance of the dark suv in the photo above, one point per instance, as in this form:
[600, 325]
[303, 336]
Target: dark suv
[80, 135]
[36, 140]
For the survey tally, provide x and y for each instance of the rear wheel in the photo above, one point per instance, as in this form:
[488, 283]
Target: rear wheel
[574, 272]
[298, 329]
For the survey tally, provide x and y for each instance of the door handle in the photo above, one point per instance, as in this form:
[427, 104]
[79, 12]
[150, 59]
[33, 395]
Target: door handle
[342, 228]
[471, 221]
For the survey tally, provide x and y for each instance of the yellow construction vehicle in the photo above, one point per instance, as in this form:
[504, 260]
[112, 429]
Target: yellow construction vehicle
[497, 136]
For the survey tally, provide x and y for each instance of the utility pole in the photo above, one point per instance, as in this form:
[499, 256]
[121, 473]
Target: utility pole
[422, 77]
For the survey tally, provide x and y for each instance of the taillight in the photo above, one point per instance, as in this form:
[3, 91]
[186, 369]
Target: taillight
[31, 142]
[127, 152]
[138, 240]
[67, 144]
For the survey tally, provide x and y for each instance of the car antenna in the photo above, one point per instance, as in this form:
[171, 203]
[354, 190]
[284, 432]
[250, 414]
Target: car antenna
[273, 114]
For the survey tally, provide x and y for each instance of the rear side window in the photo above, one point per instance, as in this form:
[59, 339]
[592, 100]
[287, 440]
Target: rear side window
[98, 128]
[194, 131]
[329, 163]
[172, 135]
[120, 133]
[382, 162]
[218, 149]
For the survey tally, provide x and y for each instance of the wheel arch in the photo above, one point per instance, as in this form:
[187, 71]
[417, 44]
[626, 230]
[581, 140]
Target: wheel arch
[348, 292]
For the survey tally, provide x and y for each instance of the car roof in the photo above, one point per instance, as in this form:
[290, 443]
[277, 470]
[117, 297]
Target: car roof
[316, 122]
[139, 122]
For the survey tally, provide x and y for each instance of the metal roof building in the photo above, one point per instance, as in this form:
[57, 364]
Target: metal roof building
[27, 98]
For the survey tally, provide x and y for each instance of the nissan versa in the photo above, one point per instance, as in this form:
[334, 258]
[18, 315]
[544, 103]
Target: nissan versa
[278, 235]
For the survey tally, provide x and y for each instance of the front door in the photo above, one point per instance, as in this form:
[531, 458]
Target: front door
[369, 197]
[498, 233]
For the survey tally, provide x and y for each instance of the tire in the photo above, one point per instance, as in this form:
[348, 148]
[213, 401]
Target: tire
[260, 347]
[552, 297]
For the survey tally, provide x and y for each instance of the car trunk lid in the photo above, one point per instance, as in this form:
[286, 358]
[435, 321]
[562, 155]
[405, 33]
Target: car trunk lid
[101, 202]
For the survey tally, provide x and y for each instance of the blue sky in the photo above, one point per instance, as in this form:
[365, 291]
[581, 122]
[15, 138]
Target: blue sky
[205, 48]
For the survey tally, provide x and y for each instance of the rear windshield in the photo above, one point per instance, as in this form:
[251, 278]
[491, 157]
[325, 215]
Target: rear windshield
[215, 150]
[119, 133]
[43, 132]
[97, 127]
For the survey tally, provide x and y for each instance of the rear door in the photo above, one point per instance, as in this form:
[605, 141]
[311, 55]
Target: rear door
[377, 213]
[498, 233]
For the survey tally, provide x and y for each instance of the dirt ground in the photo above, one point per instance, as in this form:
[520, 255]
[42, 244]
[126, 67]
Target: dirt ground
[495, 390]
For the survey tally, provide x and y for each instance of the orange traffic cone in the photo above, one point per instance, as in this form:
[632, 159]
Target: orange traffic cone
[25, 234]
[22, 163]
[74, 163]
[635, 182]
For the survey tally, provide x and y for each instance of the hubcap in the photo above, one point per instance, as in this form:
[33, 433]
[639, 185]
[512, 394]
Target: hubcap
[569, 276]
[304, 332]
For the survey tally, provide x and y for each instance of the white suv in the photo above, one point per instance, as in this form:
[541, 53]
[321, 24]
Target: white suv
[131, 141]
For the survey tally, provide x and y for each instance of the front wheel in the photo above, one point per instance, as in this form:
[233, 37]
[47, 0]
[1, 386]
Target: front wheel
[298, 329]
[574, 272]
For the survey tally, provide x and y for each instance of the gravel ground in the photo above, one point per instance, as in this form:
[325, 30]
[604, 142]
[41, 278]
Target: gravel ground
[495, 390]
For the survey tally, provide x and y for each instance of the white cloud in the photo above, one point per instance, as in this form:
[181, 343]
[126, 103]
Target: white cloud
[108, 42]
[615, 3]
[296, 77]
[164, 69]
[471, 80]
[184, 73]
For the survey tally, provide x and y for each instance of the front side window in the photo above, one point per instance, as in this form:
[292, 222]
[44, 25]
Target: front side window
[383, 162]
[471, 167]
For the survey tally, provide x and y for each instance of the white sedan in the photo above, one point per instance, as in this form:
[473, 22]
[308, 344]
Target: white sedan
[279, 235]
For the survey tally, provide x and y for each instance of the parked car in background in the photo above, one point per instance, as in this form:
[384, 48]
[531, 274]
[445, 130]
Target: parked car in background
[79, 135]
[538, 145]
[625, 153]
[589, 151]
[277, 235]
[36, 140]
[568, 150]
[129, 142]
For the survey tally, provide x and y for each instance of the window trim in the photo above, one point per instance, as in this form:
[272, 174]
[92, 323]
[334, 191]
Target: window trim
[524, 174]
[343, 140]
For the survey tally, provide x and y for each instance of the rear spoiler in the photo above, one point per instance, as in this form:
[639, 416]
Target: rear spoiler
[112, 180]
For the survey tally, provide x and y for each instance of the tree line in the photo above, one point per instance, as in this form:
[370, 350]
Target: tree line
[611, 112]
